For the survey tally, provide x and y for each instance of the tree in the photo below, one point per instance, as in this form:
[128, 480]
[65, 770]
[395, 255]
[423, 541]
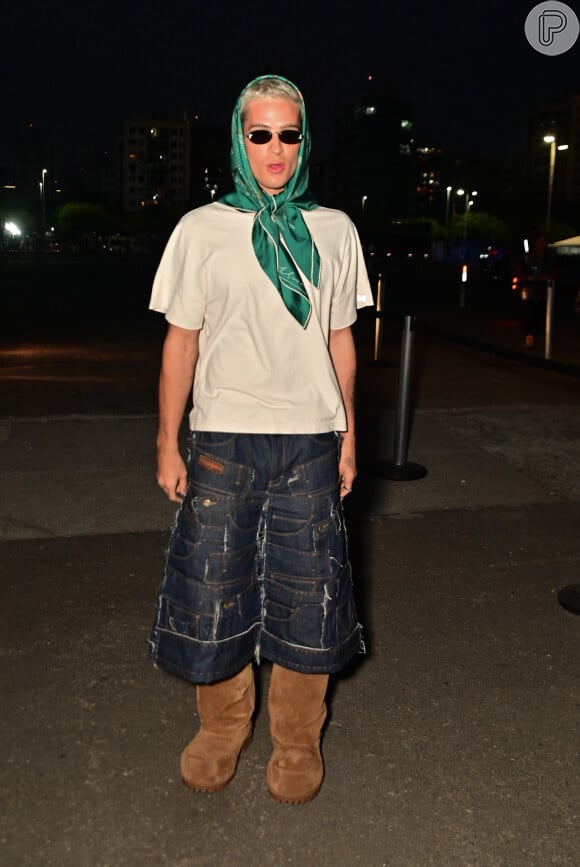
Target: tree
[81, 218]
[480, 226]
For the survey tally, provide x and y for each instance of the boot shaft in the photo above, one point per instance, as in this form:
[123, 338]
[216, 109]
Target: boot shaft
[296, 704]
[227, 706]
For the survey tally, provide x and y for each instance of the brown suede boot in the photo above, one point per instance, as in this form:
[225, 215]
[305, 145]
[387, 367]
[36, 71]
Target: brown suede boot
[225, 710]
[297, 713]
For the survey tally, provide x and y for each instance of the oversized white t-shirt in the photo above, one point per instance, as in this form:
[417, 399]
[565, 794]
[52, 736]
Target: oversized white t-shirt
[259, 370]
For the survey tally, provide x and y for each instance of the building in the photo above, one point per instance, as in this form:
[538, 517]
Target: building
[370, 170]
[178, 163]
[155, 163]
[428, 173]
[561, 118]
[210, 163]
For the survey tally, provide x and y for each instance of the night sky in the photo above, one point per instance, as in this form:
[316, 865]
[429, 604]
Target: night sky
[80, 69]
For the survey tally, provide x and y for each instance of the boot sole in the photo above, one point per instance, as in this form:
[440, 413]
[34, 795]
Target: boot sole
[210, 789]
[303, 799]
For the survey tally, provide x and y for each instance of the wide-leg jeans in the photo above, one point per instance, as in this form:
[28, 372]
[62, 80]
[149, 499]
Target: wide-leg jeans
[257, 565]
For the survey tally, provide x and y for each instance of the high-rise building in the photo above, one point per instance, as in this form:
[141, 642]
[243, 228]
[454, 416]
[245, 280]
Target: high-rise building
[559, 117]
[428, 171]
[210, 158]
[371, 166]
[180, 163]
[155, 163]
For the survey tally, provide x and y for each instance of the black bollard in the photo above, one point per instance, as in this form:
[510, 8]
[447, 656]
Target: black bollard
[400, 469]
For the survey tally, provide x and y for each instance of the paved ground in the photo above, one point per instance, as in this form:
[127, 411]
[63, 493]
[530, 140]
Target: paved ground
[455, 741]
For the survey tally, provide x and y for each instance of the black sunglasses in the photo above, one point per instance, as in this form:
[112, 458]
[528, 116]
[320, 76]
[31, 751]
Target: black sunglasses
[286, 136]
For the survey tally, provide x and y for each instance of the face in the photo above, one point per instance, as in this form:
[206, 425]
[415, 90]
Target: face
[273, 163]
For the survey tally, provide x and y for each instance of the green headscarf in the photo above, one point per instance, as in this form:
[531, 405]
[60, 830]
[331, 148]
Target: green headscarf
[280, 236]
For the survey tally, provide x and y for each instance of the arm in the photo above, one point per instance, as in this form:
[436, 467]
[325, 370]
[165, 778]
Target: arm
[343, 355]
[178, 361]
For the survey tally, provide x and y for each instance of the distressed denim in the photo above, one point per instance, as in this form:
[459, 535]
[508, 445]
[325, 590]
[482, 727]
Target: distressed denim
[257, 564]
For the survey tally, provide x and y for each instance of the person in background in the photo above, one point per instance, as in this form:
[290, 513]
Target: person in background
[260, 290]
[533, 276]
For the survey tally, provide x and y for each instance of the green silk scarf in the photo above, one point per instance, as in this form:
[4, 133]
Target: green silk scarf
[280, 236]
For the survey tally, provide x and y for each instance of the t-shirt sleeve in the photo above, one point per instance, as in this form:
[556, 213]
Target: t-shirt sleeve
[352, 290]
[178, 286]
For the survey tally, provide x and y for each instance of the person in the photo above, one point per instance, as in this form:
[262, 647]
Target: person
[533, 275]
[260, 290]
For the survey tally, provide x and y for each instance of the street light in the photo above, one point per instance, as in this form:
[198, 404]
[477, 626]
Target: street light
[551, 140]
[468, 204]
[448, 191]
[43, 198]
[363, 202]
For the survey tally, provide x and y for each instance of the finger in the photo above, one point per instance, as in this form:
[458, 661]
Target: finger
[344, 489]
[175, 497]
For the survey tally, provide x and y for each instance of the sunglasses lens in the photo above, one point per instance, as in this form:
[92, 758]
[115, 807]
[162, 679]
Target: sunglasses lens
[287, 136]
[290, 136]
[260, 136]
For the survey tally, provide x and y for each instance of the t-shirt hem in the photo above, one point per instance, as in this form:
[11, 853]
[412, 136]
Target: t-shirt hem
[306, 427]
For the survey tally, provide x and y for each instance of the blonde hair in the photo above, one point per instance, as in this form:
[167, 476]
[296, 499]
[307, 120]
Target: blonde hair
[272, 87]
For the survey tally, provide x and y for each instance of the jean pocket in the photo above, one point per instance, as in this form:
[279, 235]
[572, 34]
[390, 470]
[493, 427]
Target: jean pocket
[210, 438]
[295, 617]
[209, 617]
[188, 622]
[210, 470]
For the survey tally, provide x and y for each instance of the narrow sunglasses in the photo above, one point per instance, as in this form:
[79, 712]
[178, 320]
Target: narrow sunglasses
[286, 136]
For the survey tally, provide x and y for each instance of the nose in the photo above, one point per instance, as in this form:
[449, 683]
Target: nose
[275, 145]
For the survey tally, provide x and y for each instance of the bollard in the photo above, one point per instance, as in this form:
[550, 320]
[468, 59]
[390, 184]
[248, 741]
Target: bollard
[379, 320]
[464, 275]
[549, 318]
[401, 470]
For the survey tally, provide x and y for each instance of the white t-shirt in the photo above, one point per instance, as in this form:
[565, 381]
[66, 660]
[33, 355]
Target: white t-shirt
[259, 370]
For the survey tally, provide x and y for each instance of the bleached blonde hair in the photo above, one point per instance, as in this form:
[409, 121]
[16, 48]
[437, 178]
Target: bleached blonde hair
[272, 87]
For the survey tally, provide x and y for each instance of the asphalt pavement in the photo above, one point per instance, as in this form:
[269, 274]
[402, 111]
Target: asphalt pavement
[452, 743]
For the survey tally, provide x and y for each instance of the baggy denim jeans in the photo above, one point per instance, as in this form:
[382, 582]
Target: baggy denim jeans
[257, 564]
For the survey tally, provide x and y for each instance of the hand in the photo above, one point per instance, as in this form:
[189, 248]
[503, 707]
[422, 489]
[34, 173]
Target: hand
[172, 475]
[346, 467]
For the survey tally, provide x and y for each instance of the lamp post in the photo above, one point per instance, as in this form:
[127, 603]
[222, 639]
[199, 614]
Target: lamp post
[363, 202]
[43, 198]
[551, 140]
[468, 204]
[448, 191]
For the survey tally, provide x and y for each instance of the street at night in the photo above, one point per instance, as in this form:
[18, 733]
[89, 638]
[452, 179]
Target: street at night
[453, 743]
[242, 171]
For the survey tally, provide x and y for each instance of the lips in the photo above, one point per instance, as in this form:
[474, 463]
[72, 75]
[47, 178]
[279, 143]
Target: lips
[275, 167]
